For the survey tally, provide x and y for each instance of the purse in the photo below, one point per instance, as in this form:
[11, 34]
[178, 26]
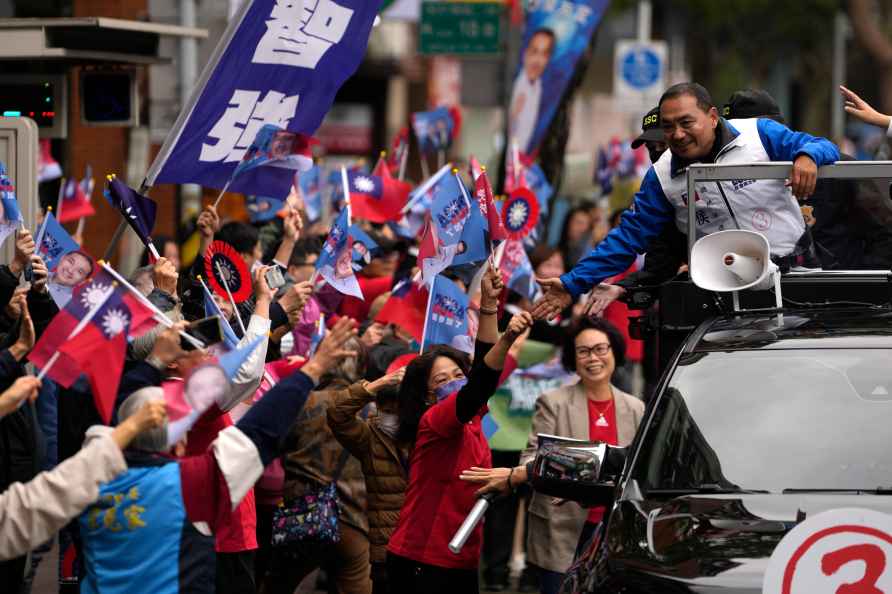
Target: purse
[312, 516]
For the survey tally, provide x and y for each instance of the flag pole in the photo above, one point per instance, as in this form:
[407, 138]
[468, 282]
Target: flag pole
[238, 316]
[223, 191]
[38, 241]
[425, 173]
[82, 221]
[346, 187]
[403, 159]
[423, 188]
[427, 315]
[160, 316]
[91, 313]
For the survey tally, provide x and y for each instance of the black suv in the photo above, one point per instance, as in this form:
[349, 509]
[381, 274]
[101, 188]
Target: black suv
[756, 426]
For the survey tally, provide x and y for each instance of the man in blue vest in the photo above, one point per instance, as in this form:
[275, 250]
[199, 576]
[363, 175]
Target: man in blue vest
[151, 529]
[696, 133]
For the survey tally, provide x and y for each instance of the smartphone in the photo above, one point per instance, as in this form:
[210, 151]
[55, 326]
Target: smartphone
[208, 330]
[274, 278]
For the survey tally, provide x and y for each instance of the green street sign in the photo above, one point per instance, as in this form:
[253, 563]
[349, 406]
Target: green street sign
[460, 28]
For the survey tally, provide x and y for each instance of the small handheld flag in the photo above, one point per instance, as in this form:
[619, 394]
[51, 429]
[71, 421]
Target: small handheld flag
[75, 203]
[447, 316]
[137, 210]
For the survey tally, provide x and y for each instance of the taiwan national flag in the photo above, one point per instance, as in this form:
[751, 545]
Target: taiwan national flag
[447, 319]
[377, 198]
[99, 345]
[274, 147]
[137, 210]
[11, 217]
[406, 307]
[75, 203]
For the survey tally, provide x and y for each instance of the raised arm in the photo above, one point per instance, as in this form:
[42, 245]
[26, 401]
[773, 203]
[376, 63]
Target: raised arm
[30, 513]
[615, 253]
[353, 433]
[485, 373]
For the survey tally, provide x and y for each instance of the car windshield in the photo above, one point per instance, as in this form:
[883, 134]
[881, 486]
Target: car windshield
[772, 420]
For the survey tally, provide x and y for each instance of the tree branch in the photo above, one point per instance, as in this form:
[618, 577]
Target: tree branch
[868, 33]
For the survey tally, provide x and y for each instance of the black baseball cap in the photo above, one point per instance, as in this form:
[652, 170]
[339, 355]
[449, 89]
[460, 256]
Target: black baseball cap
[651, 131]
[752, 103]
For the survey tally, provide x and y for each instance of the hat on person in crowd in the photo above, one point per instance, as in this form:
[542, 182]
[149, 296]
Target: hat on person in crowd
[752, 103]
[651, 131]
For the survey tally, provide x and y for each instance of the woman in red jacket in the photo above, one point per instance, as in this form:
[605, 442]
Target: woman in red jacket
[442, 402]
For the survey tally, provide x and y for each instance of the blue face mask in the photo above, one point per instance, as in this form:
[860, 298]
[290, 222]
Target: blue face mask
[450, 388]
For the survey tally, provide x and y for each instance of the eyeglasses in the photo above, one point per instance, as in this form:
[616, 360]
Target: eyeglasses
[598, 349]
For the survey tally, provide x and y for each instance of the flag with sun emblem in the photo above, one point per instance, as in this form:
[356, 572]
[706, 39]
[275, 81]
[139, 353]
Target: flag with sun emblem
[520, 213]
[137, 210]
[98, 349]
[377, 198]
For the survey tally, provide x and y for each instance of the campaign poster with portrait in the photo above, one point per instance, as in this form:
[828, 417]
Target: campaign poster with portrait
[556, 34]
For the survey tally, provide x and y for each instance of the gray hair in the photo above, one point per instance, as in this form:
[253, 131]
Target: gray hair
[141, 346]
[349, 369]
[155, 439]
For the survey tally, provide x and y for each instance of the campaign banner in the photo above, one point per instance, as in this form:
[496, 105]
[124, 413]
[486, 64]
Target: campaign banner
[278, 63]
[556, 34]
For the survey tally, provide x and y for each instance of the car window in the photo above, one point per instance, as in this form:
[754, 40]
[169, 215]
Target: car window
[799, 419]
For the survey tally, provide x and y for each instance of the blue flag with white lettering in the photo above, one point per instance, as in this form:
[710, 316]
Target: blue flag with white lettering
[278, 63]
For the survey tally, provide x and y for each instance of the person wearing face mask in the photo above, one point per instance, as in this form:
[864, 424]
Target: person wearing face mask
[696, 133]
[384, 460]
[591, 409]
[442, 401]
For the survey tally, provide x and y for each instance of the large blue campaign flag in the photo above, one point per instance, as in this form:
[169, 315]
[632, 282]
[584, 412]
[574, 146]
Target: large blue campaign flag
[447, 316]
[555, 35]
[278, 63]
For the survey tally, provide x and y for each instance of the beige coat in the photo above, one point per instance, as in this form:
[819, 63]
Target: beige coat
[554, 530]
[32, 512]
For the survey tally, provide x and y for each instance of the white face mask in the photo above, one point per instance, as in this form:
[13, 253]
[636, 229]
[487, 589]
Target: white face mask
[389, 423]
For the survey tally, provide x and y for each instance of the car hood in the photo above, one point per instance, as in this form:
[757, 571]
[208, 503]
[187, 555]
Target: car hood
[711, 543]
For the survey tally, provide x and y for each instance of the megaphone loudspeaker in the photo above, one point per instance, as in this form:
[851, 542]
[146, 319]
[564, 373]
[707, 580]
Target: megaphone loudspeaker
[732, 261]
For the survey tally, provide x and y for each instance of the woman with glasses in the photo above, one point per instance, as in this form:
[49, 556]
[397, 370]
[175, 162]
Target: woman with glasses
[591, 409]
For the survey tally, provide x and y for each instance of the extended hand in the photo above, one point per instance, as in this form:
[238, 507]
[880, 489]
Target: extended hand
[602, 296]
[803, 177]
[555, 300]
[861, 109]
[494, 480]
[393, 378]
[331, 350]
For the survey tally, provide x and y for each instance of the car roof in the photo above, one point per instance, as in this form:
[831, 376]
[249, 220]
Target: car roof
[839, 328]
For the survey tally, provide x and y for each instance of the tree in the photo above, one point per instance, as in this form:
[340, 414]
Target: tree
[871, 23]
